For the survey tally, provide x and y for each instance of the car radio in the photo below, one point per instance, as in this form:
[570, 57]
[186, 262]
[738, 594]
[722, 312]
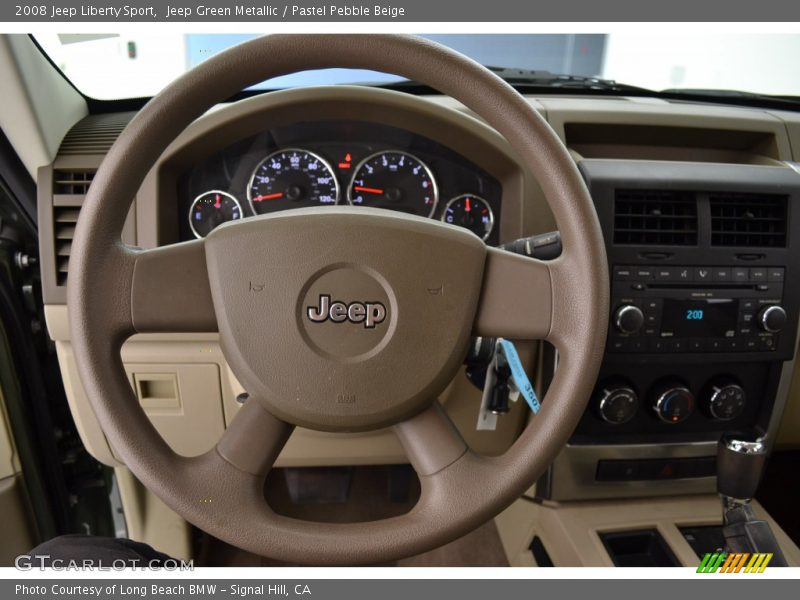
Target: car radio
[696, 309]
[703, 261]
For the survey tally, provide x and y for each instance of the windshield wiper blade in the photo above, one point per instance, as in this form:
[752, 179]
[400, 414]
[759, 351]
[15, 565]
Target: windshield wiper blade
[546, 79]
[529, 80]
[737, 94]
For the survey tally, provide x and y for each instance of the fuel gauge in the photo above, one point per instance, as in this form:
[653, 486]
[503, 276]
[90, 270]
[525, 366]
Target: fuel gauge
[210, 210]
[472, 212]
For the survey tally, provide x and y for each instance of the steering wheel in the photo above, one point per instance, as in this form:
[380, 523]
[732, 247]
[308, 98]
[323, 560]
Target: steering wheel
[337, 318]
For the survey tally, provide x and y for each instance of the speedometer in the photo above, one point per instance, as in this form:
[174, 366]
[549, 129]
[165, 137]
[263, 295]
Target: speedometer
[291, 178]
[395, 180]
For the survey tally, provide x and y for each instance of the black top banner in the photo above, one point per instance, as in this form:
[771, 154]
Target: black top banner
[149, 11]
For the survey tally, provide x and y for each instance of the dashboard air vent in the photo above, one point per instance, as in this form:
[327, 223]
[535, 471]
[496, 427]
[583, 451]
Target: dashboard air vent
[64, 220]
[72, 182]
[748, 220]
[655, 217]
[94, 134]
[69, 192]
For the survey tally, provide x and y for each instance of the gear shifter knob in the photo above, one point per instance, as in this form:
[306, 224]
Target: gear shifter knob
[740, 463]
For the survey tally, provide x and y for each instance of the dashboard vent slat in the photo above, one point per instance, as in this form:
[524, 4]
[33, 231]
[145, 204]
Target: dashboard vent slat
[748, 220]
[94, 134]
[655, 217]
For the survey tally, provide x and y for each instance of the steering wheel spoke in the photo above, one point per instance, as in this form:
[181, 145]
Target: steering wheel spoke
[431, 441]
[170, 290]
[517, 297]
[254, 439]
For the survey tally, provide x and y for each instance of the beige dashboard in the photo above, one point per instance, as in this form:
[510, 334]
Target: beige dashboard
[183, 381]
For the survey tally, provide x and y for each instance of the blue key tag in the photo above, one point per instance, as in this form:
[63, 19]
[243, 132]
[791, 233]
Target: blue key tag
[520, 379]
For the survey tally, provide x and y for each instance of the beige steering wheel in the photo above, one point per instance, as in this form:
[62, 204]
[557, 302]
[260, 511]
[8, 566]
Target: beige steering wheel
[381, 360]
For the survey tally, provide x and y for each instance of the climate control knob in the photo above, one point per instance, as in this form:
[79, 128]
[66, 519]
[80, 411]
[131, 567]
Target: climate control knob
[673, 402]
[772, 318]
[616, 403]
[724, 399]
[628, 318]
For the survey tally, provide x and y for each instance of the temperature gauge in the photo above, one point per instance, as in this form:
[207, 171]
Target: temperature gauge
[211, 209]
[472, 212]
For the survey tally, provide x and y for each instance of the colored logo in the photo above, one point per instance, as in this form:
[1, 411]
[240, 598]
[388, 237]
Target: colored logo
[734, 562]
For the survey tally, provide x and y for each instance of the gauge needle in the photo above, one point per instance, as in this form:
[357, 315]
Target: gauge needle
[468, 208]
[368, 190]
[218, 201]
[274, 196]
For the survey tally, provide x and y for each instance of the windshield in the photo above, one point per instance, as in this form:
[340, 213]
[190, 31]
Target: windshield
[115, 66]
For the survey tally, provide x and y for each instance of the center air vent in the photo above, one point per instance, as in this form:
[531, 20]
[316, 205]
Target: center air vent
[748, 220]
[655, 217]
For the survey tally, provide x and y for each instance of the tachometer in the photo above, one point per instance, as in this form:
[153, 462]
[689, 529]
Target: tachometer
[211, 209]
[395, 180]
[472, 212]
[291, 178]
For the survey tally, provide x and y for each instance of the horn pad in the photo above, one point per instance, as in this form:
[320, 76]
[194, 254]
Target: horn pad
[345, 318]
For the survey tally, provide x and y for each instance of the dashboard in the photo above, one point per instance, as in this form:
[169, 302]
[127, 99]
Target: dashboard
[697, 204]
[337, 162]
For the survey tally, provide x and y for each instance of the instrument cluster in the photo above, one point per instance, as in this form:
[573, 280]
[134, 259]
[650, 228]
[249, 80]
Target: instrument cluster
[326, 163]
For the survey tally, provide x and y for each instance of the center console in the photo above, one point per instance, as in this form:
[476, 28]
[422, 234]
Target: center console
[703, 324]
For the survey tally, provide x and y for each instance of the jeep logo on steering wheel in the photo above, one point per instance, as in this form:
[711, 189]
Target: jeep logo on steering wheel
[369, 313]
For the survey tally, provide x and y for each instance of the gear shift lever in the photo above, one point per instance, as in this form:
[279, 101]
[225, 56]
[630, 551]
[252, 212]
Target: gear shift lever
[740, 464]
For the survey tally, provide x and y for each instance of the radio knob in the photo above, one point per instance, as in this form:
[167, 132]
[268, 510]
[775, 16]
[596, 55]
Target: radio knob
[724, 399]
[617, 403]
[772, 318]
[628, 318]
[673, 402]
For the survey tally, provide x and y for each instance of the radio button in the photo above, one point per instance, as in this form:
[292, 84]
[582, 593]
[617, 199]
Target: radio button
[702, 274]
[643, 274]
[623, 273]
[750, 345]
[758, 275]
[746, 318]
[696, 345]
[617, 345]
[748, 305]
[678, 346]
[746, 330]
[683, 274]
[666, 273]
[653, 305]
[741, 275]
[721, 274]
[716, 345]
[732, 345]
[767, 342]
[658, 345]
[775, 274]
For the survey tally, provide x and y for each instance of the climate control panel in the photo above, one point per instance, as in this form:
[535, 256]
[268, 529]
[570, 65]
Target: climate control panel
[673, 402]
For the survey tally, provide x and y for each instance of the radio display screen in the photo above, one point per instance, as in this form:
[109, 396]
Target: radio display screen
[712, 318]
